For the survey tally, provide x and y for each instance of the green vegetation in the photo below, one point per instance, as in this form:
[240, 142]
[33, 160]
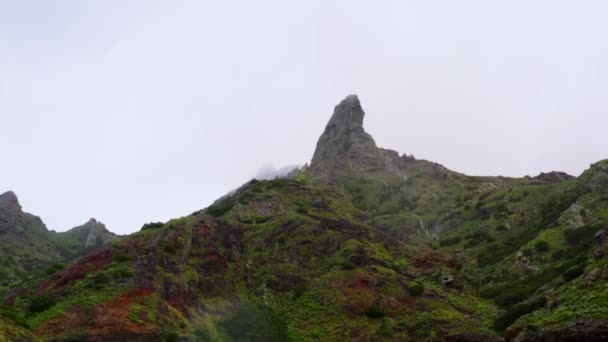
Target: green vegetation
[416, 289]
[55, 268]
[253, 322]
[516, 311]
[542, 246]
[378, 247]
[14, 315]
[41, 304]
[152, 225]
[222, 207]
[375, 311]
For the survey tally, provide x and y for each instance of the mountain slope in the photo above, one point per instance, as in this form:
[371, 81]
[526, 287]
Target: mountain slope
[24, 243]
[280, 252]
[27, 247]
[78, 240]
[363, 245]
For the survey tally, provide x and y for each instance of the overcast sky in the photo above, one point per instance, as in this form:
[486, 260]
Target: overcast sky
[137, 111]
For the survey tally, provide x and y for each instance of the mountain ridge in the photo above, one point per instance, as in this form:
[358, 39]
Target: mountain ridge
[362, 245]
[27, 246]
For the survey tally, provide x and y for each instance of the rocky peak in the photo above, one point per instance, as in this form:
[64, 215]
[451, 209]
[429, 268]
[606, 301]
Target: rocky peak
[94, 233]
[344, 140]
[551, 177]
[9, 200]
[348, 115]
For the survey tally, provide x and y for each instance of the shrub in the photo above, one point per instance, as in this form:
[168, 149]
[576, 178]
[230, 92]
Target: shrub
[277, 183]
[552, 209]
[375, 311]
[385, 329]
[496, 252]
[574, 272]
[542, 246]
[122, 257]
[477, 238]
[152, 225]
[416, 289]
[514, 292]
[558, 255]
[54, 268]
[348, 265]
[14, 316]
[581, 238]
[99, 280]
[220, 208]
[450, 241]
[170, 337]
[528, 252]
[120, 272]
[253, 322]
[41, 304]
[513, 313]
[203, 335]
[502, 228]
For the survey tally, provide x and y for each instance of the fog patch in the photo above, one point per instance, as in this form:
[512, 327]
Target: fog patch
[269, 172]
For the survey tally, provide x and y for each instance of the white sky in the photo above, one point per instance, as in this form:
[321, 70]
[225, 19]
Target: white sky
[137, 111]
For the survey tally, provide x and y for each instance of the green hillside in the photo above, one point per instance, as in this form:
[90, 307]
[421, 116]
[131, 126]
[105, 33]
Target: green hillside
[28, 248]
[363, 244]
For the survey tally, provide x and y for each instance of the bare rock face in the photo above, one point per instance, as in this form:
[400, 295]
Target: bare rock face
[344, 143]
[25, 239]
[9, 201]
[14, 220]
[600, 175]
[93, 234]
[551, 177]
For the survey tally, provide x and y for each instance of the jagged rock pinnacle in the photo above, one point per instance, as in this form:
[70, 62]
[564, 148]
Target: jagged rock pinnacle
[344, 139]
[9, 200]
[347, 114]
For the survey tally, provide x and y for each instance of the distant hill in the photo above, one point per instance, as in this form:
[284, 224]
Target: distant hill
[364, 244]
[27, 247]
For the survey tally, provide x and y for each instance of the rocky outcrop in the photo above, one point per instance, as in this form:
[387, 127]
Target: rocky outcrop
[9, 201]
[14, 220]
[25, 246]
[344, 145]
[96, 234]
[29, 247]
[359, 252]
[552, 177]
[344, 140]
[79, 239]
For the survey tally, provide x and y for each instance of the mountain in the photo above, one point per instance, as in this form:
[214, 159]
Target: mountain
[78, 240]
[365, 244]
[28, 247]
[24, 243]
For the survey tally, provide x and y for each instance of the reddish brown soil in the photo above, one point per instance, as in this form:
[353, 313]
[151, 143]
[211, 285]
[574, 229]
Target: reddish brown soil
[93, 262]
[431, 259]
[357, 293]
[113, 316]
[73, 319]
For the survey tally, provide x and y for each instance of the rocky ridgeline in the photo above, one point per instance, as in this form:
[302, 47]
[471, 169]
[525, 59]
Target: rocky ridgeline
[345, 147]
[364, 245]
[28, 247]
